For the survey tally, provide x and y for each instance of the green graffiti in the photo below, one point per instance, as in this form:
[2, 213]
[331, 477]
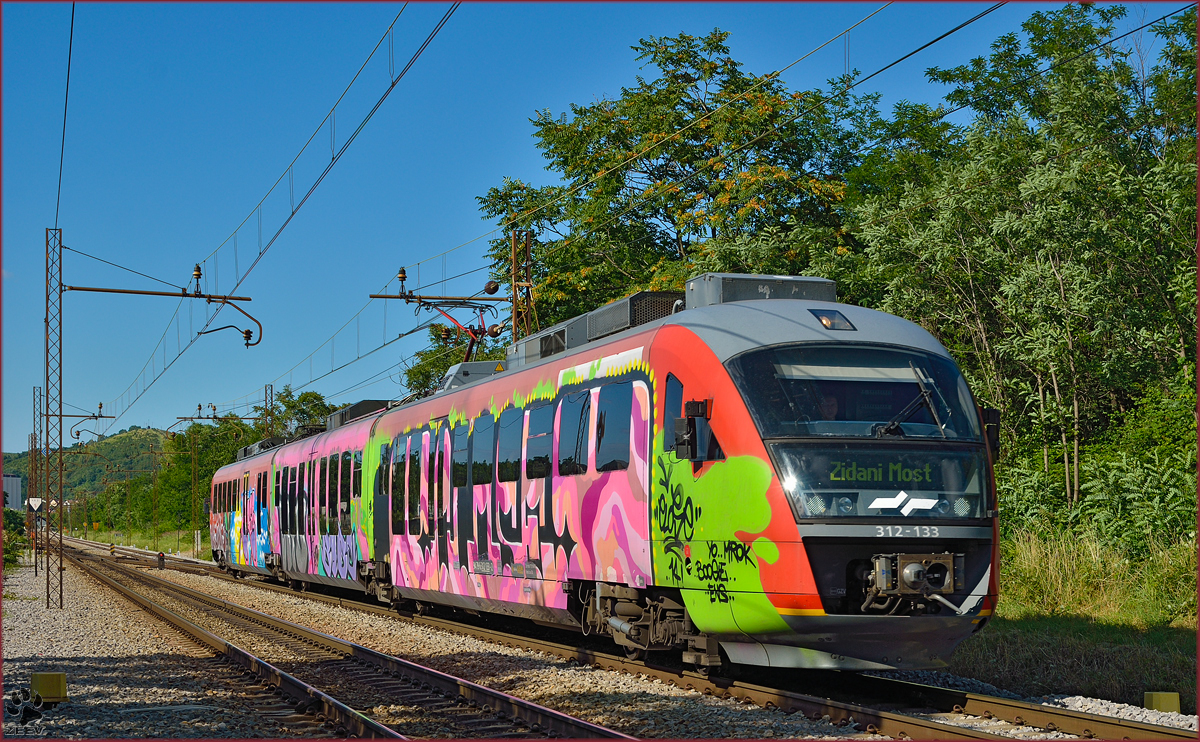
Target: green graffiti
[695, 526]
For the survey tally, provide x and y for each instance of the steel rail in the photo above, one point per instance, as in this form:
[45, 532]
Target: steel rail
[535, 715]
[1051, 718]
[871, 720]
[352, 721]
[946, 700]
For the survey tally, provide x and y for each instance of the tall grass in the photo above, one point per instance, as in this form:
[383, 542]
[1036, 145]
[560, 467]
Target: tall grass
[1079, 615]
[1087, 575]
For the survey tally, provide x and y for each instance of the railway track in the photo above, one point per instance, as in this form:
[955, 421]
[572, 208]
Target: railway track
[932, 712]
[346, 676]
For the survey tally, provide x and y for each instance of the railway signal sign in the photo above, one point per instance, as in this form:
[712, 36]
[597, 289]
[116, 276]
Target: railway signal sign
[35, 504]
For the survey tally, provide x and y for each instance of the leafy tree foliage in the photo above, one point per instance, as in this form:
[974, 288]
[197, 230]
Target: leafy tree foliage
[701, 151]
[1049, 243]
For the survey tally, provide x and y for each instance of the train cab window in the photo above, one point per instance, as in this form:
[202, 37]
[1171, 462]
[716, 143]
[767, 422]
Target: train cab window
[343, 512]
[458, 458]
[483, 449]
[322, 496]
[539, 443]
[613, 411]
[508, 455]
[414, 485]
[672, 410]
[574, 419]
[396, 490]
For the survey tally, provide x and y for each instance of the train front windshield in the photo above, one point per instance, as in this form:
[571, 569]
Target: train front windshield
[867, 431]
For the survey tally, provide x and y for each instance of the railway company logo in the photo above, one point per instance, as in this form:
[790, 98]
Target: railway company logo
[22, 714]
[889, 503]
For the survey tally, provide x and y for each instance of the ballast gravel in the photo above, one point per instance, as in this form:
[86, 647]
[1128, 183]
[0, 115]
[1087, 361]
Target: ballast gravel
[633, 704]
[1075, 703]
[1123, 710]
[128, 675]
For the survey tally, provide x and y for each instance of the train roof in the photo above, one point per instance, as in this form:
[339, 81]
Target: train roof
[734, 328]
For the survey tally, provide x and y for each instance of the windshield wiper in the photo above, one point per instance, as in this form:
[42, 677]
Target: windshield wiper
[923, 397]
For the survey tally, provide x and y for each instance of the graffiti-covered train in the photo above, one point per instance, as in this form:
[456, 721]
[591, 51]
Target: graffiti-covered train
[747, 472]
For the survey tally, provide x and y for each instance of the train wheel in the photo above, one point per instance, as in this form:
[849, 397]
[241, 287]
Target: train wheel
[634, 654]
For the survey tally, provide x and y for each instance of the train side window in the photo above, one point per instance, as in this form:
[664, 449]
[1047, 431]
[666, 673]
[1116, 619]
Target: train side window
[276, 493]
[383, 471]
[458, 457]
[343, 511]
[483, 449]
[539, 443]
[612, 426]
[573, 421]
[289, 497]
[436, 466]
[322, 493]
[356, 481]
[293, 500]
[508, 456]
[301, 500]
[414, 485]
[396, 491]
[331, 511]
[672, 410]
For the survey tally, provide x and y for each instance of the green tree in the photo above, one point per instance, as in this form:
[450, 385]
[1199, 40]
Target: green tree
[701, 151]
[1054, 253]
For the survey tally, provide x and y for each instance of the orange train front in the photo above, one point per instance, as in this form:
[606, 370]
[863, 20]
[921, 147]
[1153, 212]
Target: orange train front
[747, 472]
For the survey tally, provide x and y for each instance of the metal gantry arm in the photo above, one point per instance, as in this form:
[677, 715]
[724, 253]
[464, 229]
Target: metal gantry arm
[196, 293]
[479, 304]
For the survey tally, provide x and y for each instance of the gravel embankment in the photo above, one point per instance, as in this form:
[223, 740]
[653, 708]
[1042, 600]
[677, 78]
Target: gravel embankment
[128, 675]
[634, 705]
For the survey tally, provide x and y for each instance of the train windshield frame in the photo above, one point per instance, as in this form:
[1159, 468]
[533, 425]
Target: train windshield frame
[817, 390]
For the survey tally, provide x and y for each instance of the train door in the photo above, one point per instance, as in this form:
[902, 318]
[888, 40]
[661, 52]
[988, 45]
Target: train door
[381, 505]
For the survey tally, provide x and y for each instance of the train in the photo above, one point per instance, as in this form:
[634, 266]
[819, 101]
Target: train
[746, 472]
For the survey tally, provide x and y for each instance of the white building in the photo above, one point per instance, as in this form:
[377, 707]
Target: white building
[13, 496]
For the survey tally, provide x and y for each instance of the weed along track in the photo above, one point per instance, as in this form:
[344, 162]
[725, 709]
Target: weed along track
[360, 691]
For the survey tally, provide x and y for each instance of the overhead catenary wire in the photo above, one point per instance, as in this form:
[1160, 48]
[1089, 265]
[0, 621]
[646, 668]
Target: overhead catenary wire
[764, 79]
[721, 157]
[809, 109]
[646, 150]
[130, 270]
[369, 380]
[263, 250]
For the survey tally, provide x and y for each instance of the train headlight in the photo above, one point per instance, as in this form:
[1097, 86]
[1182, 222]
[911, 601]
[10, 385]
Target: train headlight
[942, 507]
[962, 506]
[845, 505]
[814, 504]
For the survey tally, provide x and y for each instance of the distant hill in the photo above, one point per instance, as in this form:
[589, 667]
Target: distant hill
[128, 450]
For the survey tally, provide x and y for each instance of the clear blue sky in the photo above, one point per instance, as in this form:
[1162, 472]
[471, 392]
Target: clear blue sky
[182, 116]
